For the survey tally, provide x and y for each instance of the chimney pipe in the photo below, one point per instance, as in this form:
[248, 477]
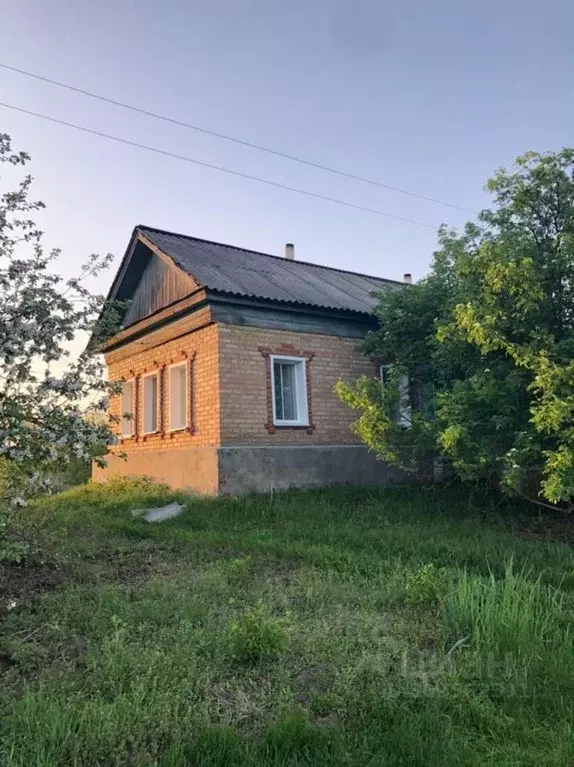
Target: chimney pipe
[407, 278]
[290, 251]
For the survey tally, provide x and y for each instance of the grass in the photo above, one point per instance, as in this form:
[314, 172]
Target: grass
[346, 627]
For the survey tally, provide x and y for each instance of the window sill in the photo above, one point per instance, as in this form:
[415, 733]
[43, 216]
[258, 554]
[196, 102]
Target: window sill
[178, 429]
[272, 428]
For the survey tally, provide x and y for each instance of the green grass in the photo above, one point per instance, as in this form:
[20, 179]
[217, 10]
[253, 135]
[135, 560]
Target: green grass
[347, 627]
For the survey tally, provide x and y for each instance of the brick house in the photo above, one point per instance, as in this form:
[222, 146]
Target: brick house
[228, 359]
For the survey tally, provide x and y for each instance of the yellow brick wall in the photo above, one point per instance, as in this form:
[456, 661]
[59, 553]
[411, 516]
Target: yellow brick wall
[229, 393]
[243, 386]
[201, 348]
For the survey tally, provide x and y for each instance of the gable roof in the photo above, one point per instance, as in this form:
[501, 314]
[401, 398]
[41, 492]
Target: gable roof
[237, 271]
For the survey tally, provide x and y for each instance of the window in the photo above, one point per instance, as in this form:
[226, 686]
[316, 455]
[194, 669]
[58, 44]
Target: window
[150, 403]
[289, 385]
[178, 396]
[402, 415]
[127, 408]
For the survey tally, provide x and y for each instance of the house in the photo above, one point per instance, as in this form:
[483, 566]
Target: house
[228, 359]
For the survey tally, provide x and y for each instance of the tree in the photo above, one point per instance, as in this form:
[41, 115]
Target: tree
[487, 340]
[43, 413]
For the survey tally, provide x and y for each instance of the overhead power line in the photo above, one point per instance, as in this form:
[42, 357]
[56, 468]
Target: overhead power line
[219, 168]
[233, 139]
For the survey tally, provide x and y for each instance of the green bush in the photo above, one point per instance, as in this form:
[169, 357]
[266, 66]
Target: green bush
[13, 550]
[257, 636]
[26, 481]
[115, 493]
[119, 484]
[4, 477]
[11, 479]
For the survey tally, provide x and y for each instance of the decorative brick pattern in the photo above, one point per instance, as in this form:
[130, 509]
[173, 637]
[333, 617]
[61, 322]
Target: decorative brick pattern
[162, 415]
[190, 394]
[230, 393]
[201, 349]
[246, 396]
[136, 405]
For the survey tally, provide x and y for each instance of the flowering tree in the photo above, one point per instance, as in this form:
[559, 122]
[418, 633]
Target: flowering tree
[43, 414]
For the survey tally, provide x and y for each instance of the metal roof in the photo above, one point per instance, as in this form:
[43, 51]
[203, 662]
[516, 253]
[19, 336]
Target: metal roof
[229, 269]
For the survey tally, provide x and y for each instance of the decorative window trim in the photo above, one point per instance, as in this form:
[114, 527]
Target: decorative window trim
[136, 406]
[191, 392]
[403, 416]
[184, 363]
[178, 359]
[161, 401]
[299, 365]
[132, 420]
[157, 374]
[287, 351]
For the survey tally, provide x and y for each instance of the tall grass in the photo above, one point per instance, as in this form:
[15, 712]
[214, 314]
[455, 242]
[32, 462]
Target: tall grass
[516, 613]
[518, 633]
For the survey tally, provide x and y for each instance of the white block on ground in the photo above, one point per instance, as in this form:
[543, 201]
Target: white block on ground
[159, 513]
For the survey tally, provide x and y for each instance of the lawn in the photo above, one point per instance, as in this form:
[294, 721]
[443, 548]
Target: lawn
[349, 627]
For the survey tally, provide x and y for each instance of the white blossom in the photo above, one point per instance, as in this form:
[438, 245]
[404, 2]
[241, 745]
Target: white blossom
[42, 414]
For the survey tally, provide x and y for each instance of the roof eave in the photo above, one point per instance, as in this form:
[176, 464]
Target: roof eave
[254, 300]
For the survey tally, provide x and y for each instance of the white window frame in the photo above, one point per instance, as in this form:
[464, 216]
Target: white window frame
[185, 365]
[130, 423]
[403, 417]
[301, 393]
[151, 373]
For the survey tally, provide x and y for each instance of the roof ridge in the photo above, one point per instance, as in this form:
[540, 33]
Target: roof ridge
[268, 255]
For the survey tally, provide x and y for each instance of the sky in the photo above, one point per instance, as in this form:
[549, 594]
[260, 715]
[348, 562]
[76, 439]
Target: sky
[430, 97]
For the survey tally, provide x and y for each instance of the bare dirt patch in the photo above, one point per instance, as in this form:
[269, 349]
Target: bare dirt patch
[317, 678]
[26, 581]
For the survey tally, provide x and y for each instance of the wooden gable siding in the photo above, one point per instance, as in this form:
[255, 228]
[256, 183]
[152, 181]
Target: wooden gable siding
[160, 285]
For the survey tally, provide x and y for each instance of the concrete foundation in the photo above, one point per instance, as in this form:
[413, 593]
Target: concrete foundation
[267, 469]
[240, 470]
